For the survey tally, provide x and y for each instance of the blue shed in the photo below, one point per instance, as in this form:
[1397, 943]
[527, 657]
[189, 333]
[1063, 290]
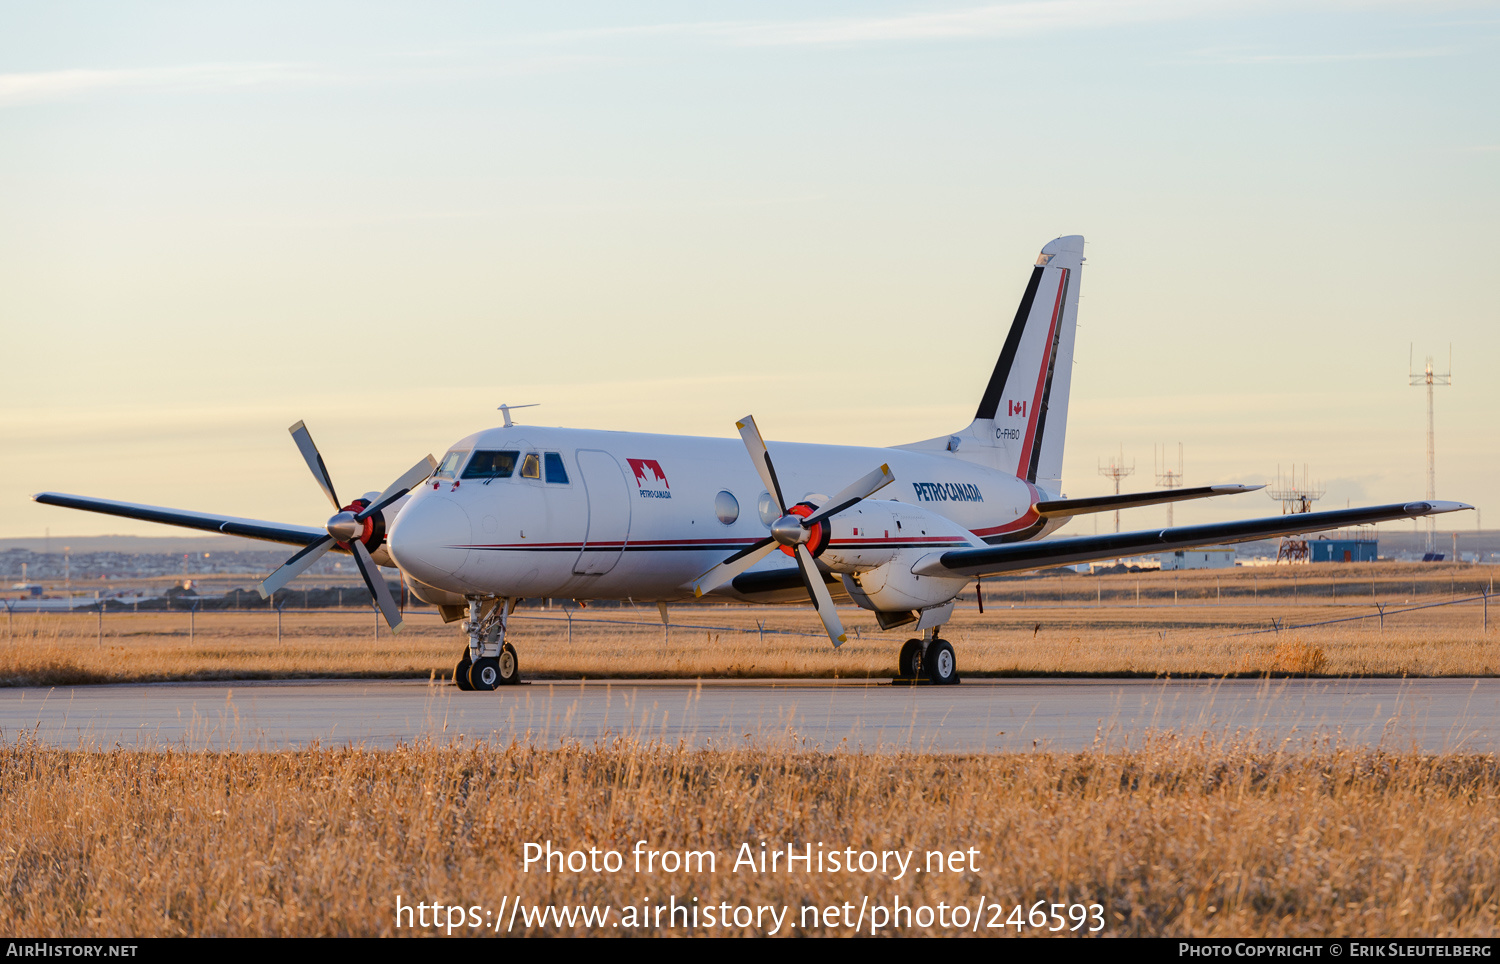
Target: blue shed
[1343, 550]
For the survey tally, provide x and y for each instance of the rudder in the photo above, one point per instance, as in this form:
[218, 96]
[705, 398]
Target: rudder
[1023, 413]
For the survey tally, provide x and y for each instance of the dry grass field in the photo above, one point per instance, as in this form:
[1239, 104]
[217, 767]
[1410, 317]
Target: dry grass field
[1176, 838]
[1147, 624]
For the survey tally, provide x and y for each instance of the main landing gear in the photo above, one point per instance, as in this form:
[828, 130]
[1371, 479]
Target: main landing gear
[928, 658]
[488, 661]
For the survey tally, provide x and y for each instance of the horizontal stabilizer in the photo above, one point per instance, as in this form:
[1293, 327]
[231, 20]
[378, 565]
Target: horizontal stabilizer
[1025, 556]
[224, 524]
[1058, 508]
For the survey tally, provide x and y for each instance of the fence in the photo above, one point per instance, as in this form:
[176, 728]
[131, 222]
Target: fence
[761, 629]
[1380, 614]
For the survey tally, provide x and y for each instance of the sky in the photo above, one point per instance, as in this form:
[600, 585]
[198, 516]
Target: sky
[388, 219]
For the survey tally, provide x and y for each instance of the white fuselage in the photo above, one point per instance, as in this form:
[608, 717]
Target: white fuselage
[642, 516]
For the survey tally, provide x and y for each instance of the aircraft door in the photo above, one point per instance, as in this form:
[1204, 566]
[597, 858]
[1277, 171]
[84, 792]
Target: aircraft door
[609, 512]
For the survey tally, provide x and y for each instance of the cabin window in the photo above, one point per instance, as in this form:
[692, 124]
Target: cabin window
[451, 462]
[726, 507]
[531, 466]
[491, 465]
[555, 471]
[767, 508]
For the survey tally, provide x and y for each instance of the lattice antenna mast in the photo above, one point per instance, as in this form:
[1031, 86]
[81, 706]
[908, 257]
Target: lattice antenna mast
[1294, 497]
[1166, 477]
[1117, 470]
[1430, 378]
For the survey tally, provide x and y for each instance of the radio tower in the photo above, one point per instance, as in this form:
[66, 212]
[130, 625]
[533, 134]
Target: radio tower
[1166, 478]
[1117, 470]
[1294, 498]
[1429, 378]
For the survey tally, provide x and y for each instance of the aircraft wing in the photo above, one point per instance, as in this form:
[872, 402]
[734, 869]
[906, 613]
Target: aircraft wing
[1057, 508]
[1024, 556]
[227, 525]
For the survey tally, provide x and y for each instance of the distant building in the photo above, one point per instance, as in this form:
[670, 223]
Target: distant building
[1343, 550]
[1215, 558]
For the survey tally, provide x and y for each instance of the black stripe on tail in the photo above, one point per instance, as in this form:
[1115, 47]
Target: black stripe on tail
[990, 403]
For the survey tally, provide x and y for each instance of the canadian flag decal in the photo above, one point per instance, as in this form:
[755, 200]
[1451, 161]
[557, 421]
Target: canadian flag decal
[1015, 408]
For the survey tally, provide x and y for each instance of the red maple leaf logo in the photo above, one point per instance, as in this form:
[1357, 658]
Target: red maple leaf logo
[642, 466]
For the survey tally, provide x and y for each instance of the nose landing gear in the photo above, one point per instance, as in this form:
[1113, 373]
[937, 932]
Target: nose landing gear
[488, 661]
[493, 671]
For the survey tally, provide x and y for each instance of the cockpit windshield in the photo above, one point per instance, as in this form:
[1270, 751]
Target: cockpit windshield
[451, 462]
[492, 465]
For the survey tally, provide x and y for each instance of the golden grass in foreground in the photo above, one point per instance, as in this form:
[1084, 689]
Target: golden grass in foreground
[1178, 838]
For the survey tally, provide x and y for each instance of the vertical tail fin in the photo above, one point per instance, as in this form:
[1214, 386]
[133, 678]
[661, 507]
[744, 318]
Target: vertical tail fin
[1023, 415]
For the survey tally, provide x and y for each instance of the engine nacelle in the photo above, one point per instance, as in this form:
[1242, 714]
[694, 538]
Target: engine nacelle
[876, 533]
[893, 587]
[874, 546]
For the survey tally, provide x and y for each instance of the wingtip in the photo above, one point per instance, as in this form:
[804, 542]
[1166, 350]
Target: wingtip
[1434, 506]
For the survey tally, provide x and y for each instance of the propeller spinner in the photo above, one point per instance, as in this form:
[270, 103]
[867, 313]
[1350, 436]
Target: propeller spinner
[349, 528]
[793, 531]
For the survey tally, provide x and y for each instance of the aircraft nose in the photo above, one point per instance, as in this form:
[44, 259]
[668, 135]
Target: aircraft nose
[430, 538]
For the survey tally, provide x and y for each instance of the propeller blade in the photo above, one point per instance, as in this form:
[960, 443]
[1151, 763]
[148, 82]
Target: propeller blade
[295, 567]
[377, 586]
[822, 601]
[413, 477]
[314, 461]
[733, 566]
[857, 491]
[762, 458]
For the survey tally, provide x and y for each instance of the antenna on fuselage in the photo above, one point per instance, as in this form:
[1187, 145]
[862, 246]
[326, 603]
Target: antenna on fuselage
[505, 411]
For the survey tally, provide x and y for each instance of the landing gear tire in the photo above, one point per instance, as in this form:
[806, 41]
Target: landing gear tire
[461, 672]
[509, 666]
[909, 666]
[940, 664]
[494, 671]
[484, 674]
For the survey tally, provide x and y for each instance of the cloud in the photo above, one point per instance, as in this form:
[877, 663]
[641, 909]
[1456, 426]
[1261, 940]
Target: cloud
[1220, 56]
[60, 84]
[999, 20]
[994, 20]
[53, 84]
[1026, 17]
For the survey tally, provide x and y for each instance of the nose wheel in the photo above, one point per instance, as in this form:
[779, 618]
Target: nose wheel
[490, 672]
[488, 661]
